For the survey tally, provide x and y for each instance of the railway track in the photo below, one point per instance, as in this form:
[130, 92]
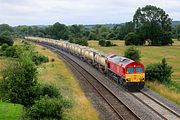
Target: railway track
[122, 111]
[156, 106]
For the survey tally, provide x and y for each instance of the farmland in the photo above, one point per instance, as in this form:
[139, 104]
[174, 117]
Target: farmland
[153, 54]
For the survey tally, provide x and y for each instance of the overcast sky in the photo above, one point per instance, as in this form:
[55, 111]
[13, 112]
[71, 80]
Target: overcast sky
[45, 12]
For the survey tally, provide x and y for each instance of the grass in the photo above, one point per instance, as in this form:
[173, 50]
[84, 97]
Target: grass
[152, 54]
[164, 91]
[9, 111]
[58, 74]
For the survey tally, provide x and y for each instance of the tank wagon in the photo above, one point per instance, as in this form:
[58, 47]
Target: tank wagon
[125, 71]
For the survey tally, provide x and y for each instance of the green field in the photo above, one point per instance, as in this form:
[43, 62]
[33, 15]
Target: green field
[154, 54]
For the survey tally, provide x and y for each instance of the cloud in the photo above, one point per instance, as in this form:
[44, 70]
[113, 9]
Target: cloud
[15, 12]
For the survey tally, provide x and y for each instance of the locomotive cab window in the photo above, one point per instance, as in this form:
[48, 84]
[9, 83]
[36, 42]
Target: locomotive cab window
[130, 70]
[139, 70]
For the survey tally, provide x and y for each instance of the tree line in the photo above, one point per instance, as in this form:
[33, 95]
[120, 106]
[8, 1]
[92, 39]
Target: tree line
[150, 25]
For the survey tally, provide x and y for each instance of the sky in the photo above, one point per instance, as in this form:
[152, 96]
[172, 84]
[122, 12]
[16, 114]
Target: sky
[47, 12]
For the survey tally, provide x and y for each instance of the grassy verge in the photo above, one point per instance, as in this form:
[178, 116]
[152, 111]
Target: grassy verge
[152, 54]
[9, 111]
[164, 91]
[58, 74]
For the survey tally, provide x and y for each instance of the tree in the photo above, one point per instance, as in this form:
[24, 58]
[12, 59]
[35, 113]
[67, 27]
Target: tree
[151, 23]
[159, 71]
[76, 31]
[177, 31]
[19, 84]
[58, 31]
[133, 39]
[132, 53]
[6, 39]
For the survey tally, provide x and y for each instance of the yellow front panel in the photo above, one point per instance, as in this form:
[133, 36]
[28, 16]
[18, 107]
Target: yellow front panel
[135, 77]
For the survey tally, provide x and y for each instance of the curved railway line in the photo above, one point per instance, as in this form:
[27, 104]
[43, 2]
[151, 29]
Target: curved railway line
[121, 109]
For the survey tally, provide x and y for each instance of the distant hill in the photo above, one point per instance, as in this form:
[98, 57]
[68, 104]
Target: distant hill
[174, 23]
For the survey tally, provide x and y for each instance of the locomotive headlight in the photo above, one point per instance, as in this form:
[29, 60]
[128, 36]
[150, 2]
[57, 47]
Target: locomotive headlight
[141, 78]
[128, 79]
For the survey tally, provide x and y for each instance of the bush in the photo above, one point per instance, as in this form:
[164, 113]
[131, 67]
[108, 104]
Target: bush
[11, 52]
[19, 84]
[159, 71]
[4, 46]
[49, 90]
[132, 53]
[39, 58]
[133, 39]
[48, 108]
[7, 40]
[102, 42]
[106, 43]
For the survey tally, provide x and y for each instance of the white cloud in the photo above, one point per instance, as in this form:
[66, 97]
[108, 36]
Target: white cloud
[15, 12]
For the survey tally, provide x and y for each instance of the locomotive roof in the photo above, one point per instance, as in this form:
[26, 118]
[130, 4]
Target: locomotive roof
[120, 60]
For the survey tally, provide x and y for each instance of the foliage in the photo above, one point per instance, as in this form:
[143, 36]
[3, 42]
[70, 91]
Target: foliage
[48, 108]
[4, 46]
[49, 90]
[58, 31]
[159, 71]
[80, 41]
[152, 23]
[38, 58]
[177, 32]
[133, 39]
[19, 81]
[102, 42]
[122, 30]
[132, 53]
[5, 39]
[106, 43]
[11, 51]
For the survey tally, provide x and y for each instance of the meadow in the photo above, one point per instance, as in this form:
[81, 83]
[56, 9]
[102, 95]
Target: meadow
[153, 54]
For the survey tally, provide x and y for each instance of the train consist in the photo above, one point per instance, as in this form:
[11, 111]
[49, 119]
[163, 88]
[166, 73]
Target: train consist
[126, 72]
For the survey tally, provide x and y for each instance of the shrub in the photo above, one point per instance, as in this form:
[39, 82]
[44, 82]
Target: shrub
[109, 43]
[106, 43]
[49, 90]
[132, 53]
[4, 46]
[11, 52]
[48, 108]
[39, 58]
[52, 60]
[7, 40]
[19, 82]
[102, 42]
[159, 71]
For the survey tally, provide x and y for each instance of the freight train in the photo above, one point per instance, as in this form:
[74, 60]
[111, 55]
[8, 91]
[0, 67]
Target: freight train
[125, 71]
